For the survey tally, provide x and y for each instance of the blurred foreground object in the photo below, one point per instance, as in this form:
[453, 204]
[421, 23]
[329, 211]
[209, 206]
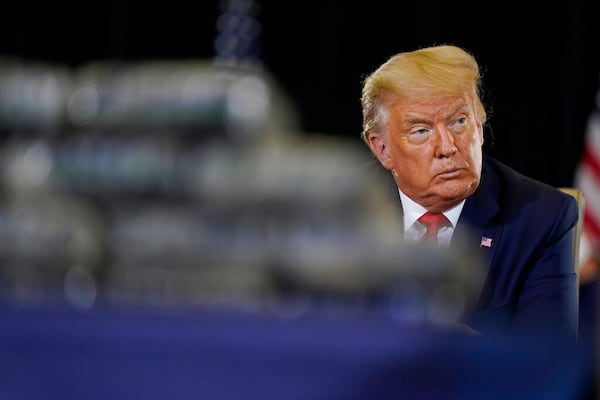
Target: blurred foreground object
[184, 184]
[159, 97]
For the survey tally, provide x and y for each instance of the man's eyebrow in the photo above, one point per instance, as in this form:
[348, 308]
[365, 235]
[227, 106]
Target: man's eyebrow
[409, 120]
[417, 118]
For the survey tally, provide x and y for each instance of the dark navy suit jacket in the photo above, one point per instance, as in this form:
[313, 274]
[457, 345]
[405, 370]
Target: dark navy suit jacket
[528, 281]
[530, 277]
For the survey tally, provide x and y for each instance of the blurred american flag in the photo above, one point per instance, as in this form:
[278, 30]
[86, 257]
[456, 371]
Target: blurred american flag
[587, 178]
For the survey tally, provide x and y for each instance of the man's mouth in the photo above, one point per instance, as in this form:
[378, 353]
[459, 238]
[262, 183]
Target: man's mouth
[449, 173]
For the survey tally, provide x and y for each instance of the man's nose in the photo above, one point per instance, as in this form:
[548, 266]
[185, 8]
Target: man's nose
[444, 141]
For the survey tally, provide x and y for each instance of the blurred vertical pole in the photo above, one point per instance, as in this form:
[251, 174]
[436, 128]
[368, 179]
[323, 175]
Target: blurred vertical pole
[238, 31]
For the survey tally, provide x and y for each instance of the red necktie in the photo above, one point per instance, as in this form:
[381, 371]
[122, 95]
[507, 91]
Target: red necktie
[433, 222]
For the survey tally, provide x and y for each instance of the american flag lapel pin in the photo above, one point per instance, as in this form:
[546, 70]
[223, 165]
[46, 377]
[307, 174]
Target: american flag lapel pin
[485, 242]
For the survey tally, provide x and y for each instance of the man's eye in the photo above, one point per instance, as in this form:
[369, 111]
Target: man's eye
[419, 135]
[420, 132]
[460, 123]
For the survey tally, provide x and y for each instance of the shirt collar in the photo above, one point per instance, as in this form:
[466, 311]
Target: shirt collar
[412, 211]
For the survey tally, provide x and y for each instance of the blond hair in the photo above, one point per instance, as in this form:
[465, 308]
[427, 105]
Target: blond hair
[443, 70]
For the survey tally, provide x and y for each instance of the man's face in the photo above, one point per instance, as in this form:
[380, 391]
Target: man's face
[433, 146]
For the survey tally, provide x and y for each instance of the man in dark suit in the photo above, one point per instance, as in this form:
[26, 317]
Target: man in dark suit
[423, 119]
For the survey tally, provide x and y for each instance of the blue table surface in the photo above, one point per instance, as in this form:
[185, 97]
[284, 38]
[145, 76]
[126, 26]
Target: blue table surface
[225, 354]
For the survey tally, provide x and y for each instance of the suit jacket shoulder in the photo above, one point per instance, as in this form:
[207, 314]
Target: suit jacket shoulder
[530, 255]
[505, 194]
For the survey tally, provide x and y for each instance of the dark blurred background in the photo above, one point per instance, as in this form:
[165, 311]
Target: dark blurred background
[541, 63]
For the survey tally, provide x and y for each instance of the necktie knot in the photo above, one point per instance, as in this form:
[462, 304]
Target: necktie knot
[433, 222]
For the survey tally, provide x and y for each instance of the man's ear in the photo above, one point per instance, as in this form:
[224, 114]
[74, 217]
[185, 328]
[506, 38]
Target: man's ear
[380, 148]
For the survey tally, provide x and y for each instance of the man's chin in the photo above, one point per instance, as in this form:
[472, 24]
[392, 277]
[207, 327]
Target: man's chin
[456, 191]
[452, 197]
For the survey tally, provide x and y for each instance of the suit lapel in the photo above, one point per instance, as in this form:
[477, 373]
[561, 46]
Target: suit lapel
[476, 224]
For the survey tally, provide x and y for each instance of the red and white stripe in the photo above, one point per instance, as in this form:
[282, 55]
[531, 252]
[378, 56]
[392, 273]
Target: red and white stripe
[587, 178]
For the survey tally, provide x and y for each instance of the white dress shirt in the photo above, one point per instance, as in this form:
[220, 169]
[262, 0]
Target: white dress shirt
[413, 229]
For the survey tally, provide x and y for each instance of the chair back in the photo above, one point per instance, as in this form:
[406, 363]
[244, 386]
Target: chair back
[577, 230]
